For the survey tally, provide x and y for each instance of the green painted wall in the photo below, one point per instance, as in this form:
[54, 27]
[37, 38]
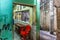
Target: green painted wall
[6, 20]
[6, 15]
[37, 20]
[31, 2]
[38, 15]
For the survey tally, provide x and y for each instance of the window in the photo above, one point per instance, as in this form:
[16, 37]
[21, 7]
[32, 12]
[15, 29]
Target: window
[25, 16]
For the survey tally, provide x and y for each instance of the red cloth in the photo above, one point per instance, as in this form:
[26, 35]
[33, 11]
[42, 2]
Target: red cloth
[25, 31]
[28, 28]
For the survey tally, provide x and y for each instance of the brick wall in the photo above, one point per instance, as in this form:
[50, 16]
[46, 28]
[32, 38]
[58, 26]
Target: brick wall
[58, 24]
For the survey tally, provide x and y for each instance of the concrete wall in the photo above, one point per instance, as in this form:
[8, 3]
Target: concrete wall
[55, 18]
[46, 23]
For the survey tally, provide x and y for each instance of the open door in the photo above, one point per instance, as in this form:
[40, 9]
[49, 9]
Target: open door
[23, 15]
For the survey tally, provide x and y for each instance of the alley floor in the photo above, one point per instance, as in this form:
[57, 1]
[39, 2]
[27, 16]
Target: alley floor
[44, 35]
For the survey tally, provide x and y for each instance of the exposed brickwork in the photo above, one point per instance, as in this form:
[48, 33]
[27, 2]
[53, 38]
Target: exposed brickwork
[58, 36]
[58, 23]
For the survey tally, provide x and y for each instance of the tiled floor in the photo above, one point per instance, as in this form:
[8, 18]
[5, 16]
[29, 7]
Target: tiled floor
[44, 35]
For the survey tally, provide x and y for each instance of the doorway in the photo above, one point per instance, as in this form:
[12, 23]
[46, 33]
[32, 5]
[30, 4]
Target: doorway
[23, 15]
